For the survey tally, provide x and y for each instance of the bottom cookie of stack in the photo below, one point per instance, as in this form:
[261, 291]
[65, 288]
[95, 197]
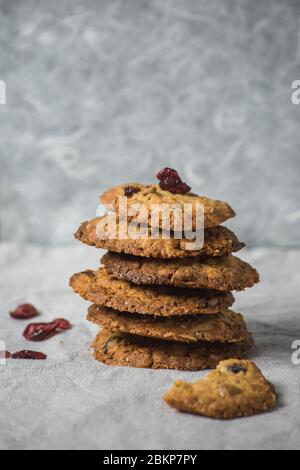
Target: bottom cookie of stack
[187, 342]
[126, 349]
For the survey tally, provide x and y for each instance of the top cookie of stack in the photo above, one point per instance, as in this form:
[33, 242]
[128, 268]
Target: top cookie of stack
[164, 305]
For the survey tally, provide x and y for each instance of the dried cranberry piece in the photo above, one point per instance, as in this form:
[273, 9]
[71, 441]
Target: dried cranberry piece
[169, 180]
[26, 354]
[236, 369]
[62, 324]
[39, 331]
[44, 331]
[24, 312]
[5, 355]
[131, 190]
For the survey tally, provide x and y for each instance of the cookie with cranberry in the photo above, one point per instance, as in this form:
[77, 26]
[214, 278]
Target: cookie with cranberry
[100, 288]
[225, 273]
[122, 349]
[234, 389]
[215, 212]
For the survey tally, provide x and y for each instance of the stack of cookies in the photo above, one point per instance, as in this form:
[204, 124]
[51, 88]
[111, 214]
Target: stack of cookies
[161, 305]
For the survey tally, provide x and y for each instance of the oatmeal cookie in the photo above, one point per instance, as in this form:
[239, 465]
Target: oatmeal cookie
[218, 241]
[226, 327]
[225, 273]
[100, 288]
[234, 389]
[121, 349]
[215, 212]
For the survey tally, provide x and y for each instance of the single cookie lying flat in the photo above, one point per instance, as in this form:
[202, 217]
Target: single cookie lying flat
[215, 212]
[224, 274]
[120, 349]
[99, 288]
[234, 389]
[218, 241]
[227, 327]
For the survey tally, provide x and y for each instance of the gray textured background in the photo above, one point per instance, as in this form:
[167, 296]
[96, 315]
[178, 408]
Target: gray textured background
[100, 92]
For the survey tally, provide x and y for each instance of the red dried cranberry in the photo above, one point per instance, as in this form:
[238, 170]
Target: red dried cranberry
[62, 324]
[5, 355]
[43, 331]
[169, 180]
[25, 354]
[131, 190]
[24, 312]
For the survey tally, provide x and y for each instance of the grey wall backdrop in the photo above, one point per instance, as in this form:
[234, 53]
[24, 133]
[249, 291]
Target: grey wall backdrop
[104, 91]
